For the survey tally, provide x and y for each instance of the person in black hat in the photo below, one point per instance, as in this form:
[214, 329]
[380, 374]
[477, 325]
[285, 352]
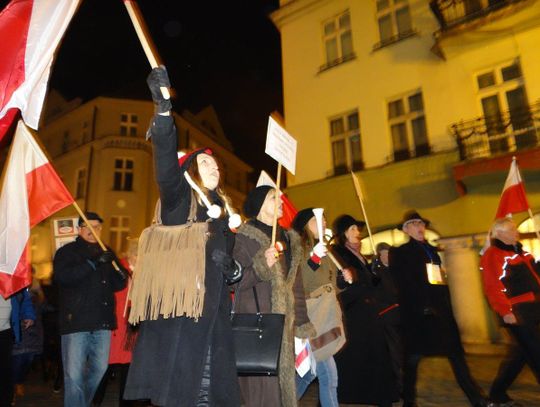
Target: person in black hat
[184, 354]
[364, 364]
[86, 281]
[321, 280]
[428, 323]
[274, 274]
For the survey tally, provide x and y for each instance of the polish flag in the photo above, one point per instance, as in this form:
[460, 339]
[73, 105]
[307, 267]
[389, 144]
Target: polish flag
[289, 211]
[303, 361]
[513, 197]
[30, 31]
[31, 192]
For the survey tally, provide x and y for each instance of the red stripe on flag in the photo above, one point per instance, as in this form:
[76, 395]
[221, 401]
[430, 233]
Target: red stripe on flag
[14, 23]
[21, 278]
[289, 212]
[513, 200]
[301, 357]
[47, 194]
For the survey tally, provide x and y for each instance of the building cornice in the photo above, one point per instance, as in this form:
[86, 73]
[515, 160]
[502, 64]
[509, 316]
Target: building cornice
[294, 9]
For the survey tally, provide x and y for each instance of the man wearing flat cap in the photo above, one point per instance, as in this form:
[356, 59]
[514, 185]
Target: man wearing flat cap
[86, 281]
[428, 323]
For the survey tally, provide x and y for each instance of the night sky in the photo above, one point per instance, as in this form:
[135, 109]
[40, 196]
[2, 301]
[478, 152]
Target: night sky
[224, 53]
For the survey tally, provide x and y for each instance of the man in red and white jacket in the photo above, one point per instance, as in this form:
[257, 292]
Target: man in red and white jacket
[511, 280]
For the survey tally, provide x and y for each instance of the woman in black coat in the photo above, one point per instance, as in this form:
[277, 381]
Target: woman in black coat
[182, 361]
[365, 373]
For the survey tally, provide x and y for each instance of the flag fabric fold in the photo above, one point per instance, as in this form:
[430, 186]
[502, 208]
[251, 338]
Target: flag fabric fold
[30, 31]
[31, 192]
[513, 198]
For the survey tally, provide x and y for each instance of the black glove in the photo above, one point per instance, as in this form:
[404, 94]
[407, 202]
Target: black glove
[156, 79]
[226, 264]
[105, 257]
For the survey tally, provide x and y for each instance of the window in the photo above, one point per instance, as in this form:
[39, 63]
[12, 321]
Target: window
[337, 40]
[65, 141]
[85, 133]
[503, 100]
[128, 124]
[123, 174]
[394, 20]
[408, 126]
[119, 233]
[80, 190]
[346, 143]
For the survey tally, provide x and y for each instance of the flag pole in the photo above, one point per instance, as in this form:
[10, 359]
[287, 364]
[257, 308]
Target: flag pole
[276, 204]
[142, 32]
[93, 231]
[358, 190]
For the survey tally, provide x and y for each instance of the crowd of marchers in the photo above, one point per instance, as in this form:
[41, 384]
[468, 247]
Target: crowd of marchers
[159, 318]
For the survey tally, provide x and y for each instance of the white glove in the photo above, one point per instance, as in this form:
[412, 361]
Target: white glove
[320, 250]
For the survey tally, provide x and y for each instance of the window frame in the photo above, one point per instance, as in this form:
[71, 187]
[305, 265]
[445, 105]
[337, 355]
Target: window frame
[124, 171]
[131, 126]
[346, 136]
[408, 117]
[80, 182]
[391, 11]
[341, 58]
[119, 241]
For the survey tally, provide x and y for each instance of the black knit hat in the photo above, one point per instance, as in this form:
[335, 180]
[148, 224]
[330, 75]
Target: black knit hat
[255, 199]
[301, 219]
[90, 216]
[344, 222]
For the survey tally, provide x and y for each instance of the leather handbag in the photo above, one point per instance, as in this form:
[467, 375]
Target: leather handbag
[257, 341]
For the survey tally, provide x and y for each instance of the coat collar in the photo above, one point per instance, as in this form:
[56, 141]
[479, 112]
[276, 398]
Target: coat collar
[517, 248]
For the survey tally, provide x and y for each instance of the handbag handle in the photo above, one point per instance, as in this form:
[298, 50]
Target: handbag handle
[256, 302]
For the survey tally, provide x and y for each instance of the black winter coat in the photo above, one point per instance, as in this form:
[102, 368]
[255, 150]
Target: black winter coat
[364, 363]
[86, 288]
[428, 323]
[169, 354]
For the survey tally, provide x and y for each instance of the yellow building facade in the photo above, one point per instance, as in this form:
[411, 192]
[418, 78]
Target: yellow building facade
[100, 151]
[427, 102]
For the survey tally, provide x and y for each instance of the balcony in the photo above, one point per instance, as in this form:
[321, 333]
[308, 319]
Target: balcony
[451, 13]
[506, 132]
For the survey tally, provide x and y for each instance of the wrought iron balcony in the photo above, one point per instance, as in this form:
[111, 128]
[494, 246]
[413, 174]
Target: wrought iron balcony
[509, 131]
[450, 13]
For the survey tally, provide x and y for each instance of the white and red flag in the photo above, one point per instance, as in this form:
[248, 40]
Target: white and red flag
[31, 192]
[30, 31]
[289, 210]
[513, 197]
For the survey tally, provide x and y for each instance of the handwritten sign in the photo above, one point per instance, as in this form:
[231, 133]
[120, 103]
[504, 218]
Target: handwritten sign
[281, 146]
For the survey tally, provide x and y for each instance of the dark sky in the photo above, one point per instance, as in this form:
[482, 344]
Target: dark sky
[224, 53]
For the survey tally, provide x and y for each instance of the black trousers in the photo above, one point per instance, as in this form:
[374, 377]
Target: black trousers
[525, 351]
[6, 380]
[461, 373]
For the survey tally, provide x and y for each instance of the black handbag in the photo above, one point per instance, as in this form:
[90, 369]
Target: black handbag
[257, 341]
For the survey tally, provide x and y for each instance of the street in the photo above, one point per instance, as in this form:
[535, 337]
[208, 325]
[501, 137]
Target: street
[436, 387]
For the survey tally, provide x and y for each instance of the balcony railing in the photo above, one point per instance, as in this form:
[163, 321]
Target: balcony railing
[450, 13]
[506, 132]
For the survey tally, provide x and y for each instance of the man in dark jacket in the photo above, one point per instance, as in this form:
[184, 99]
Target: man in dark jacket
[86, 281]
[428, 323]
[511, 280]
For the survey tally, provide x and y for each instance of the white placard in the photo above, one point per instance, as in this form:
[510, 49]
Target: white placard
[281, 146]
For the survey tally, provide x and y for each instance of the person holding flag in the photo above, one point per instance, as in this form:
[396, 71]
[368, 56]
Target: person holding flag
[184, 354]
[511, 280]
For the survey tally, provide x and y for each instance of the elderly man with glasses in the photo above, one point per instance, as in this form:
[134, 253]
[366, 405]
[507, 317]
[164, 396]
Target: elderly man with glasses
[428, 323]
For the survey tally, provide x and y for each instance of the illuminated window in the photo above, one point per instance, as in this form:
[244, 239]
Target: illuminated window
[123, 174]
[80, 190]
[337, 40]
[408, 126]
[394, 20]
[528, 236]
[128, 124]
[346, 143]
[503, 101]
[119, 233]
[394, 237]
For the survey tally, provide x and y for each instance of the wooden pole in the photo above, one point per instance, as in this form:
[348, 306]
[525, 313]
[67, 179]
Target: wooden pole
[276, 204]
[142, 32]
[358, 190]
[93, 231]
